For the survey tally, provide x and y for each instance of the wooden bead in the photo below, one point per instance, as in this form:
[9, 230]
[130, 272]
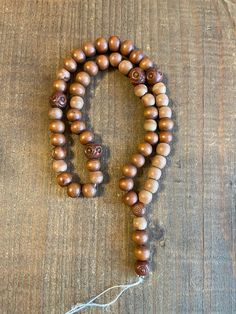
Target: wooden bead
[74, 190]
[165, 112]
[59, 165]
[64, 178]
[150, 112]
[70, 64]
[145, 197]
[154, 76]
[86, 137]
[89, 49]
[162, 100]
[130, 198]
[129, 170]
[139, 223]
[74, 114]
[63, 74]
[137, 76]
[57, 126]
[83, 78]
[159, 88]
[140, 90]
[136, 56]
[165, 137]
[137, 160]
[93, 150]
[55, 113]
[77, 102]
[101, 45]
[151, 138]
[102, 62]
[159, 161]
[148, 100]
[145, 149]
[163, 149]
[126, 184]
[89, 190]
[77, 89]
[142, 253]
[126, 47]
[151, 185]
[165, 124]
[93, 165]
[140, 237]
[58, 139]
[96, 177]
[59, 153]
[58, 100]
[150, 125]
[115, 59]
[142, 268]
[77, 127]
[138, 209]
[78, 55]
[145, 63]
[91, 68]
[125, 66]
[114, 43]
[154, 173]
[59, 85]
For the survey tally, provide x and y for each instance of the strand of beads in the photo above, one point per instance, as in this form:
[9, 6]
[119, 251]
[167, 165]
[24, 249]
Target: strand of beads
[84, 64]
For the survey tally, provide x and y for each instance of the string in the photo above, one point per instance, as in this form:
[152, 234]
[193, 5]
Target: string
[80, 306]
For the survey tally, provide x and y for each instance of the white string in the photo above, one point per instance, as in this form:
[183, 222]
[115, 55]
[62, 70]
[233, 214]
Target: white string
[80, 306]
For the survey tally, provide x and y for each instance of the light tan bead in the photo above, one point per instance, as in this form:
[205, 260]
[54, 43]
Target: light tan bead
[140, 90]
[125, 66]
[151, 185]
[114, 43]
[102, 62]
[150, 112]
[59, 85]
[89, 190]
[148, 100]
[77, 89]
[89, 49]
[163, 149]
[137, 160]
[145, 149]
[55, 113]
[139, 223]
[165, 112]
[59, 165]
[101, 45]
[145, 197]
[159, 88]
[83, 78]
[150, 125]
[77, 102]
[146, 63]
[159, 161]
[79, 55]
[129, 170]
[96, 177]
[115, 59]
[154, 173]
[91, 68]
[162, 100]
[57, 126]
[126, 47]
[93, 164]
[70, 64]
[63, 74]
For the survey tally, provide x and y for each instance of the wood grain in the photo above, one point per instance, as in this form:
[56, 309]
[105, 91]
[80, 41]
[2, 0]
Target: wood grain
[56, 251]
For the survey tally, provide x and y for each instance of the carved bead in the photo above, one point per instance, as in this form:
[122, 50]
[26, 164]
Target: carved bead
[138, 209]
[93, 151]
[58, 99]
[154, 76]
[137, 76]
[142, 268]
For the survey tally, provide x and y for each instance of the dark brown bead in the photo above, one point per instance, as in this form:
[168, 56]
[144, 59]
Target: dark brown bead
[151, 137]
[58, 99]
[101, 45]
[154, 76]
[142, 268]
[130, 198]
[74, 114]
[74, 189]
[126, 47]
[140, 237]
[59, 153]
[114, 43]
[137, 76]
[165, 137]
[93, 151]
[136, 56]
[64, 178]
[89, 49]
[165, 124]
[138, 209]
[126, 184]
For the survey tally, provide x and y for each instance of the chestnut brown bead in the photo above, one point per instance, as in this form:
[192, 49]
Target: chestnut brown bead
[58, 99]
[154, 76]
[151, 138]
[77, 89]
[126, 47]
[115, 59]
[125, 66]
[165, 137]
[74, 114]
[129, 170]
[77, 127]
[58, 139]
[86, 137]
[93, 151]
[130, 198]
[136, 56]
[78, 55]
[63, 74]
[64, 178]
[83, 78]
[150, 112]
[93, 164]
[146, 63]
[138, 209]
[126, 184]
[55, 113]
[59, 165]
[57, 126]
[74, 189]
[165, 124]
[59, 85]
[70, 64]
[102, 62]
[163, 149]
[140, 237]
[101, 45]
[89, 190]
[91, 68]
[142, 268]
[89, 49]
[59, 153]
[96, 177]
[114, 43]
[145, 149]
[137, 76]
[137, 160]
[142, 253]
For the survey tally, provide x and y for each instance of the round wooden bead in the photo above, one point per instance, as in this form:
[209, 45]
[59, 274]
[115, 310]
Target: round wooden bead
[146, 63]
[126, 47]
[151, 185]
[125, 66]
[163, 149]
[148, 100]
[115, 59]
[151, 138]
[138, 209]
[58, 99]
[130, 198]
[129, 170]
[89, 49]
[154, 76]
[150, 125]
[162, 100]
[136, 56]
[137, 160]
[74, 190]
[145, 197]
[70, 64]
[93, 151]
[59, 165]
[59, 153]
[96, 177]
[77, 127]
[145, 149]
[64, 178]
[83, 78]
[137, 76]
[142, 253]
[93, 164]
[77, 102]
[159, 88]
[86, 137]
[150, 112]
[154, 173]
[89, 190]
[102, 62]
[55, 113]
[77, 89]
[78, 55]
[139, 223]
[142, 268]
[57, 126]
[114, 43]
[165, 112]
[159, 161]
[140, 90]
[91, 68]
[59, 85]
[101, 45]
[74, 114]
[58, 139]
[126, 184]
[140, 237]
[165, 124]
[63, 74]
[165, 137]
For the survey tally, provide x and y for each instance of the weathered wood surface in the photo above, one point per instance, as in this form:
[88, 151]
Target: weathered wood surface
[56, 251]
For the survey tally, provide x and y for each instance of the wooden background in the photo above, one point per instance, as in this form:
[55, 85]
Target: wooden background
[56, 251]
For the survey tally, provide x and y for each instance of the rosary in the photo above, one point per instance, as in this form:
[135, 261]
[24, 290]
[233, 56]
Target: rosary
[67, 103]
